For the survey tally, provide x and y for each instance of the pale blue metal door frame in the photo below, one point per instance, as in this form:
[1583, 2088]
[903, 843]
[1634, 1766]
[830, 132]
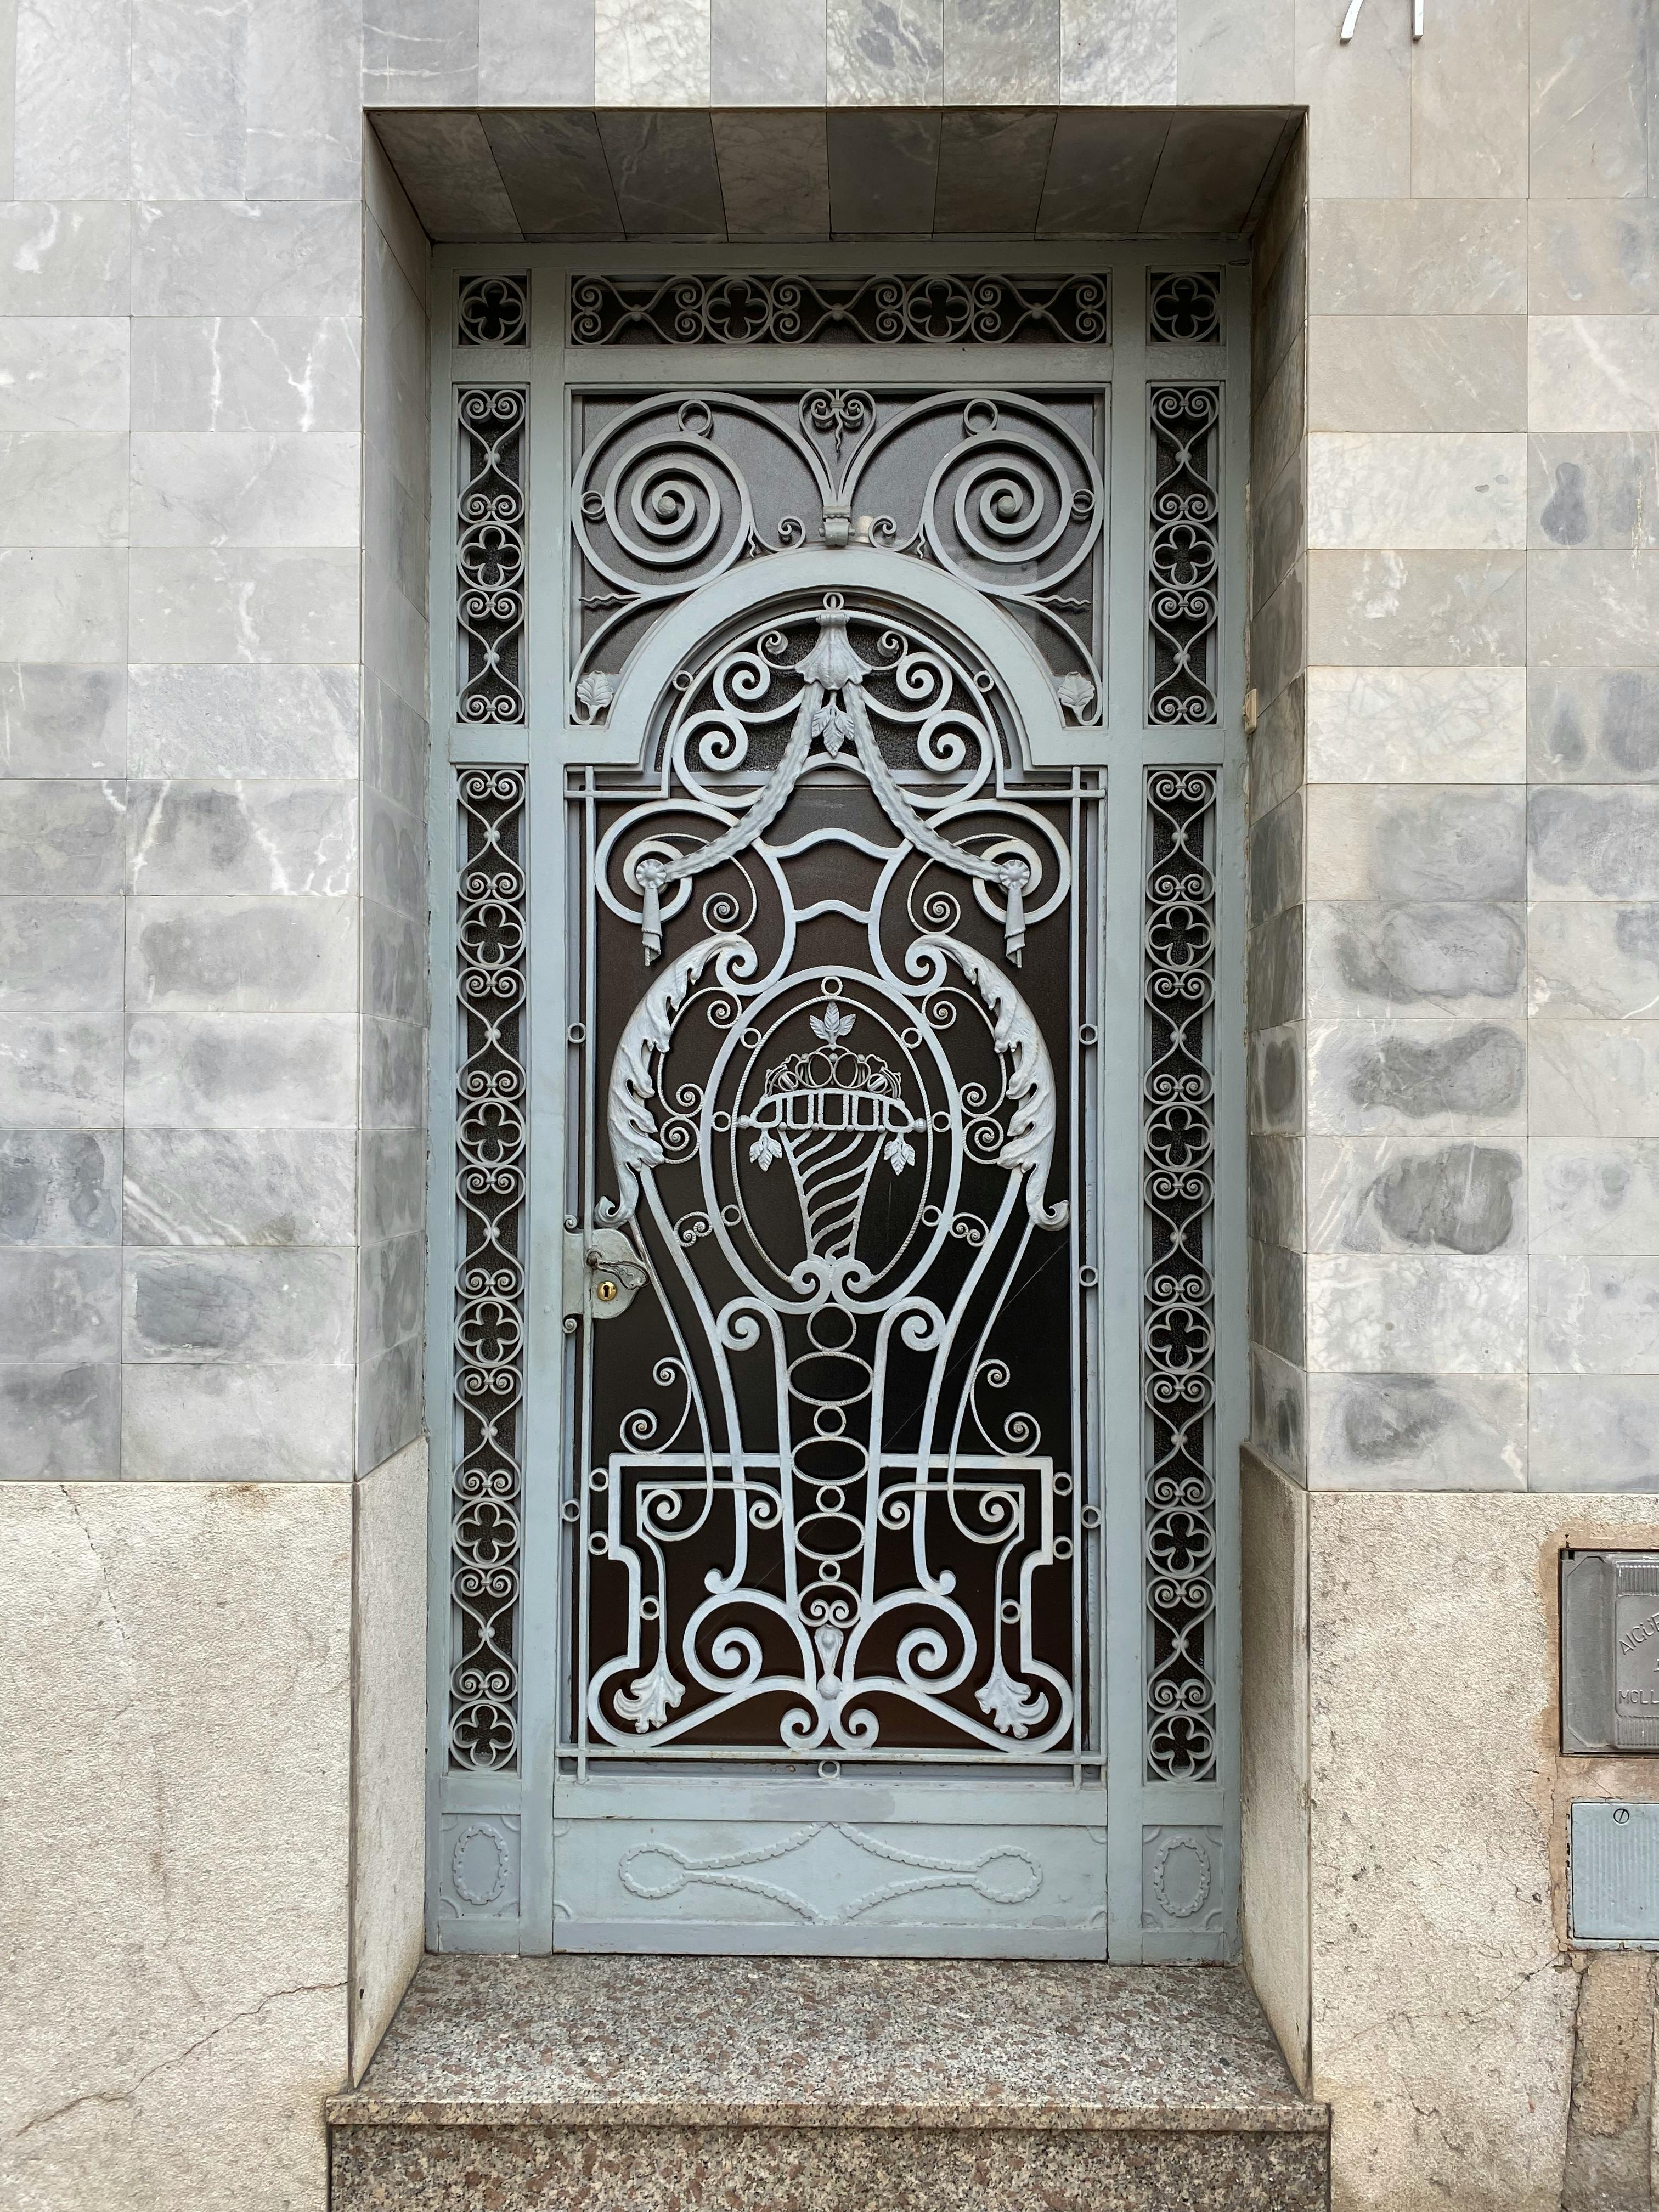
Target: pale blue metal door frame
[1171, 1844]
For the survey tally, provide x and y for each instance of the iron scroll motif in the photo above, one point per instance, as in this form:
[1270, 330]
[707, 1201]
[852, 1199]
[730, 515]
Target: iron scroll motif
[1183, 555]
[490, 1139]
[490, 555]
[746, 308]
[1002, 490]
[494, 311]
[1178, 1322]
[1183, 307]
[833, 1119]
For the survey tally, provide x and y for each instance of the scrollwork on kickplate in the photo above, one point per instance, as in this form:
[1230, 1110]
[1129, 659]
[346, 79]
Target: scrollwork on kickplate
[490, 1178]
[1178, 1312]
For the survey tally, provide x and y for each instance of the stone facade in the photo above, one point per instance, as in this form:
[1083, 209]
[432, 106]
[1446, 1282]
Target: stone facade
[213, 549]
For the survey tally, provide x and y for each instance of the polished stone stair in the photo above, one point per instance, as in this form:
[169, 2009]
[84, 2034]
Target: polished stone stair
[791, 2085]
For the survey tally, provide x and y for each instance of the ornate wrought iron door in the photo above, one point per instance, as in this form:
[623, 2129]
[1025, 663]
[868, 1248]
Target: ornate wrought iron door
[792, 1567]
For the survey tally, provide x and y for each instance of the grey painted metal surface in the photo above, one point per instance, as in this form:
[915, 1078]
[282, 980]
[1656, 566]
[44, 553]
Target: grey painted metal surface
[1609, 1651]
[548, 1830]
[1613, 1873]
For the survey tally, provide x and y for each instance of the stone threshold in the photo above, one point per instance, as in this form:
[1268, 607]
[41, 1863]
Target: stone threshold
[600, 2042]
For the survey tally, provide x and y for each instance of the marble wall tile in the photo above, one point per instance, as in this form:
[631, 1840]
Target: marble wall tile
[274, 373]
[1100, 172]
[1588, 136]
[1424, 1078]
[1410, 1432]
[448, 170]
[65, 257]
[189, 100]
[389, 1742]
[1598, 491]
[260, 837]
[1433, 1314]
[64, 603]
[203, 723]
[1416, 725]
[1460, 957]
[395, 739]
[60, 1307]
[393, 222]
[1594, 1432]
[239, 1187]
[421, 53]
[886, 53]
[1594, 1078]
[1594, 1316]
[553, 168]
[255, 257]
[396, 534]
[1597, 1197]
[179, 2058]
[767, 53]
[663, 167]
[992, 164]
[61, 1424]
[883, 169]
[1600, 843]
[1587, 609]
[651, 53]
[1594, 256]
[393, 1074]
[65, 372]
[1417, 257]
[305, 130]
[73, 127]
[1276, 1079]
[60, 955]
[1275, 1193]
[1445, 372]
[60, 1187]
[390, 1294]
[1593, 960]
[1279, 747]
[1359, 102]
[284, 602]
[60, 722]
[1412, 490]
[1279, 530]
[1404, 1195]
[1275, 989]
[1592, 725]
[1227, 53]
[1212, 170]
[245, 488]
[393, 953]
[237, 1305]
[391, 1402]
[61, 837]
[775, 172]
[1416, 841]
[394, 856]
[1593, 373]
[390, 1184]
[1434, 609]
[60, 1071]
[236, 1422]
[1123, 54]
[62, 488]
[1279, 418]
[240, 1071]
[535, 52]
[1278, 635]
[1278, 1411]
[242, 955]
[1276, 1301]
[1470, 106]
[1001, 52]
[1273, 858]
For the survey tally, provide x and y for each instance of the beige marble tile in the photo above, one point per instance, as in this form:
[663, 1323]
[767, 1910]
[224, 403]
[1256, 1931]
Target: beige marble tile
[1418, 373]
[1417, 725]
[1593, 373]
[1594, 1079]
[1470, 106]
[1417, 609]
[1440, 492]
[1417, 1430]
[651, 53]
[1417, 257]
[195, 1818]
[1434, 1314]
[1594, 256]
[1589, 609]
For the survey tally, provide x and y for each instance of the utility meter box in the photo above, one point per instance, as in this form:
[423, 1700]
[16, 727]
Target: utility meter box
[1609, 1652]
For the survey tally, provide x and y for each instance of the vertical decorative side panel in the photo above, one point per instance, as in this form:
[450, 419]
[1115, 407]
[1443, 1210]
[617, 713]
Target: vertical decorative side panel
[1183, 554]
[1178, 1308]
[490, 555]
[491, 1177]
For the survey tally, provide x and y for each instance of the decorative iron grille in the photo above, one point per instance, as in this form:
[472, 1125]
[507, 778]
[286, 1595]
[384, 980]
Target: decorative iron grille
[490, 1174]
[489, 555]
[495, 311]
[1183, 307]
[1183, 554]
[1178, 1320]
[747, 309]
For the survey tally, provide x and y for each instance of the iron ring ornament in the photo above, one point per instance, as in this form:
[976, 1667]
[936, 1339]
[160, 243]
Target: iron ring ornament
[831, 1117]
[1001, 489]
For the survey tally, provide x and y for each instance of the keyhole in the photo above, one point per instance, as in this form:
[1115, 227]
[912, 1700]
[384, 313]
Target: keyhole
[605, 1291]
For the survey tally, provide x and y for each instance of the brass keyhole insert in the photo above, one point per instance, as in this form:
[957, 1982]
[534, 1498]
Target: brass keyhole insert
[605, 1290]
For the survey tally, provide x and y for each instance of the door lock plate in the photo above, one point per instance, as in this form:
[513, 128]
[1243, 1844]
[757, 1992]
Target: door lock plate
[602, 1274]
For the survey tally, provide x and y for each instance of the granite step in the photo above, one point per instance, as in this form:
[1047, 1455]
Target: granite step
[595, 2084]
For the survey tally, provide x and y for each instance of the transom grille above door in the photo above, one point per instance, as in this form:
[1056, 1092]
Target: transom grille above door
[837, 1327]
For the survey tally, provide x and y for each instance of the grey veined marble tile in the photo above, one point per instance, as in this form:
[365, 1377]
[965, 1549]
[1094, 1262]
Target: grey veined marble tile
[1459, 957]
[1599, 1197]
[237, 1422]
[61, 1423]
[65, 257]
[1417, 1432]
[206, 724]
[251, 955]
[1441, 1078]
[886, 53]
[60, 1186]
[239, 1186]
[1598, 842]
[60, 955]
[767, 53]
[775, 172]
[1594, 958]
[1416, 841]
[1595, 1432]
[237, 1305]
[1001, 52]
[1597, 490]
[1593, 725]
[240, 1071]
[63, 721]
[1426, 1313]
[188, 837]
[61, 837]
[58, 1306]
[1595, 1316]
[1594, 1079]
[1416, 1194]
